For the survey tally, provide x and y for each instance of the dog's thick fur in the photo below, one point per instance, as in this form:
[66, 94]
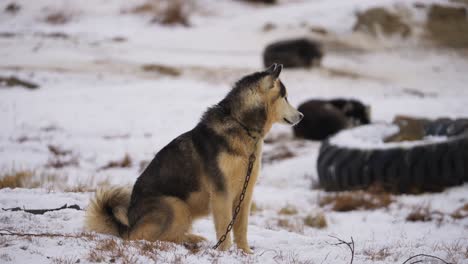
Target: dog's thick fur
[294, 53]
[200, 171]
[323, 118]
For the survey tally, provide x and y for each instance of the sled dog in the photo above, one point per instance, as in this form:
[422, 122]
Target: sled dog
[200, 171]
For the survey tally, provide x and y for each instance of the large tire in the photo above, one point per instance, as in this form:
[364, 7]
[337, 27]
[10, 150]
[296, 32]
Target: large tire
[413, 167]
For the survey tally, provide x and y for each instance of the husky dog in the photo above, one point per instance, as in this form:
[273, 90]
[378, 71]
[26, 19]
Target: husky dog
[200, 171]
[294, 53]
[323, 118]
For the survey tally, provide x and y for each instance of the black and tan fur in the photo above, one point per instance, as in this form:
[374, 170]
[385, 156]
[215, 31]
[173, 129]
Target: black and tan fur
[200, 171]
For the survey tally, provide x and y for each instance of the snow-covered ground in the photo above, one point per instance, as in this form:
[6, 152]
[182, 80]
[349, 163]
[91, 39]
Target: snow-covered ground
[96, 101]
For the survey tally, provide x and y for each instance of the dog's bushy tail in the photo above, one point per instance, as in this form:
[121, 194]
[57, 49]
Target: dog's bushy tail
[107, 211]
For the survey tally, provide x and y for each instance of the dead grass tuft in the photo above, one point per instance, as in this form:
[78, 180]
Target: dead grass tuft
[461, 212]
[356, 200]
[316, 221]
[61, 158]
[58, 18]
[268, 27]
[125, 162]
[174, 14]
[288, 210]
[378, 20]
[57, 151]
[12, 8]
[17, 179]
[424, 214]
[65, 260]
[278, 154]
[161, 69]
[122, 251]
[291, 225]
[58, 162]
[31, 179]
[377, 254]
[168, 12]
[448, 26]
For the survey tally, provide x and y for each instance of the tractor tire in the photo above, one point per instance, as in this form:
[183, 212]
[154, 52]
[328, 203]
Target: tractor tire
[350, 161]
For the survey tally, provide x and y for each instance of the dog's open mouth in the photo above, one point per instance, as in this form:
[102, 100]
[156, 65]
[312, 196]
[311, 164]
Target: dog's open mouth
[287, 121]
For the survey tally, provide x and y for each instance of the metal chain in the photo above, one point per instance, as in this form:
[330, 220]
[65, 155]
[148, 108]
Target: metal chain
[252, 159]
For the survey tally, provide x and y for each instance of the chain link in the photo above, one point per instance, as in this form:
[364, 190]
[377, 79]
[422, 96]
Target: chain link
[252, 159]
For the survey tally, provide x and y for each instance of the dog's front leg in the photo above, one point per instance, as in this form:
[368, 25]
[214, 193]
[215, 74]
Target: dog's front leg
[242, 222]
[221, 203]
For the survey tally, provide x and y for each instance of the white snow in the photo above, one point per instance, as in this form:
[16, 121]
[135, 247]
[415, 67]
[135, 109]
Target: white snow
[373, 136]
[96, 101]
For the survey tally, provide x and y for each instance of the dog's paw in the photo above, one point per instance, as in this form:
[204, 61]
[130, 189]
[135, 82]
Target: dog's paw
[194, 239]
[245, 248]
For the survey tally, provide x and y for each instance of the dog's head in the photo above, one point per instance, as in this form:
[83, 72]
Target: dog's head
[356, 112]
[264, 98]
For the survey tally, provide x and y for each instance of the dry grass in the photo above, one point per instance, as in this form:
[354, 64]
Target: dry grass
[57, 18]
[316, 221]
[292, 225]
[454, 250]
[166, 12]
[378, 20]
[288, 210]
[268, 27]
[123, 251]
[356, 200]
[377, 254]
[461, 212]
[65, 260]
[17, 179]
[57, 151]
[448, 26]
[61, 158]
[278, 154]
[31, 179]
[161, 69]
[58, 162]
[424, 214]
[12, 8]
[125, 162]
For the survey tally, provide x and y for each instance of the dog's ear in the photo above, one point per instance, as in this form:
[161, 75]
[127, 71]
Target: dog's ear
[273, 73]
[274, 70]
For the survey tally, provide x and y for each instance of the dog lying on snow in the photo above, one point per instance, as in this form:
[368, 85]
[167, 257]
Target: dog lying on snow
[200, 171]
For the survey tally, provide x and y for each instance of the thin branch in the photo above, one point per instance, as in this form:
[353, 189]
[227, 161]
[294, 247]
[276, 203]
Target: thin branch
[350, 245]
[424, 255]
[6, 232]
[42, 211]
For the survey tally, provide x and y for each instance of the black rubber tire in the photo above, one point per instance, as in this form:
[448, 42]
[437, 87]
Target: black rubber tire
[421, 168]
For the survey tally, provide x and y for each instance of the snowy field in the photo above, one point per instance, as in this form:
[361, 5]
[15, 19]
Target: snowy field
[97, 104]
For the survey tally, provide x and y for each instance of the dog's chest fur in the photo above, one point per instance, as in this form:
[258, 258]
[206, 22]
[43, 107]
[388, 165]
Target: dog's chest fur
[234, 171]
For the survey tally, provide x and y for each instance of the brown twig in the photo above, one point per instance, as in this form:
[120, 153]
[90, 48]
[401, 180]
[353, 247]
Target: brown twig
[6, 232]
[424, 255]
[349, 244]
[42, 211]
